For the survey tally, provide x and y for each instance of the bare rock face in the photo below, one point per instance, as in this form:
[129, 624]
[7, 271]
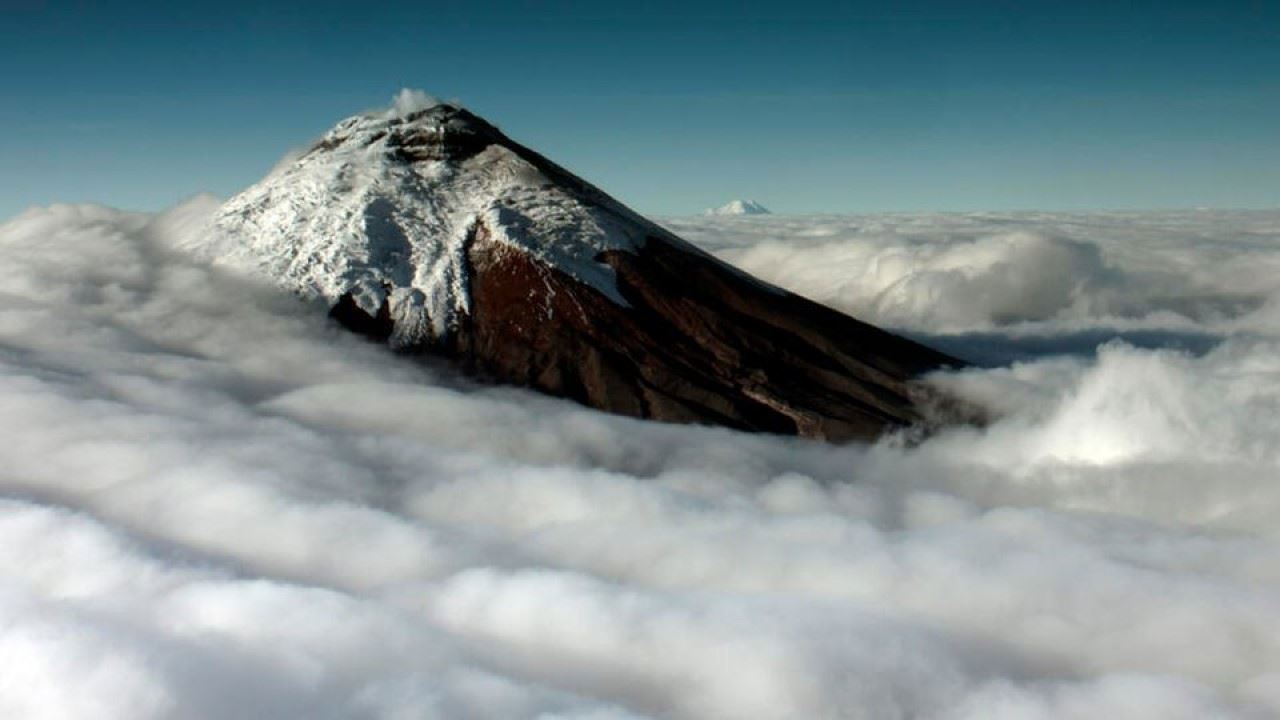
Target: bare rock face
[433, 231]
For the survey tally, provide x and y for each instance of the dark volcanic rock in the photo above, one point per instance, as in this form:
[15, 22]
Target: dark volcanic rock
[435, 232]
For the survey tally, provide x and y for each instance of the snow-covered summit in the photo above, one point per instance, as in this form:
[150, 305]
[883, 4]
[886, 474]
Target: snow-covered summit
[424, 226]
[383, 207]
[739, 207]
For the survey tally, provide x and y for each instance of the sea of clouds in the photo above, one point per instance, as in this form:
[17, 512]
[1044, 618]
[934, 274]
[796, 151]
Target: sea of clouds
[215, 504]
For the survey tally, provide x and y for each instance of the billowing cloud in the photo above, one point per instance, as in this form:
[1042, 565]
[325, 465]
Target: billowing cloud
[1019, 272]
[215, 504]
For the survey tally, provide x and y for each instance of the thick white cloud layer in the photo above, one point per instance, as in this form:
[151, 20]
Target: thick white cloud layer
[1025, 275]
[215, 505]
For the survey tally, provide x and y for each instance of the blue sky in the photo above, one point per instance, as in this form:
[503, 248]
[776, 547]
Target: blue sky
[673, 107]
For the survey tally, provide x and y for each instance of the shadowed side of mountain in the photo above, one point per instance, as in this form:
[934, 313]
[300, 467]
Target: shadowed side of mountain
[699, 343]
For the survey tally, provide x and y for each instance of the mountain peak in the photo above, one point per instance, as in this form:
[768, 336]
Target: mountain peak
[425, 226]
[739, 207]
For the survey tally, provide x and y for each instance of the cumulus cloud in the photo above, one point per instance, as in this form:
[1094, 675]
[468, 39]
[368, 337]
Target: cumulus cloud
[215, 504]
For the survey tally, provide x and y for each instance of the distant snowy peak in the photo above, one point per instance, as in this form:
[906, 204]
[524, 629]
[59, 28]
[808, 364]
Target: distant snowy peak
[740, 207]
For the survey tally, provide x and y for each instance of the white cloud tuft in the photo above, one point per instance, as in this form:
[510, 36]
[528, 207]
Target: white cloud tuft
[409, 101]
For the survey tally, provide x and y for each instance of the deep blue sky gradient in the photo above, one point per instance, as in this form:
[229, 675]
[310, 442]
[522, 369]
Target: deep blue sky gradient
[672, 107]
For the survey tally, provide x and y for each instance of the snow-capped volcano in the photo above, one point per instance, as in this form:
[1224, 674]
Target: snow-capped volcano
[739, 207]
[428, 227]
